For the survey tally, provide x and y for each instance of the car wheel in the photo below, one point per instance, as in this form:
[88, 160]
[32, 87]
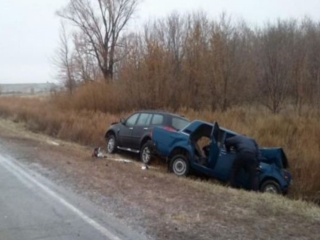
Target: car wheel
[180, 165]
[270, 186]
[111, 143]
[146, 152]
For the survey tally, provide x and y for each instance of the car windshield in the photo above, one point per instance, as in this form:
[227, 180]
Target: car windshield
[179, 123]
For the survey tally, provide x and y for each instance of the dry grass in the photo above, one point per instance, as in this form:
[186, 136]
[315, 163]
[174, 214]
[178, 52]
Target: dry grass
[166, 206]
[70, 119]
[93, 96]
[84, 127]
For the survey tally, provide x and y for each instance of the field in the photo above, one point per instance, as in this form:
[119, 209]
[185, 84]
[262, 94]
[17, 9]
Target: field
[155, 201]
[298, 135]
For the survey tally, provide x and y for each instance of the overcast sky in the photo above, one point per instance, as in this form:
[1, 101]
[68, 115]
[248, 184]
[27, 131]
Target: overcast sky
[29, 29]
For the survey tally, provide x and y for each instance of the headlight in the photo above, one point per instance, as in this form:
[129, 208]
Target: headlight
[287, 176]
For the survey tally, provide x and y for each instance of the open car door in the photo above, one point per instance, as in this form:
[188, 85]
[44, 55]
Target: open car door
[210, 131]
[214, 148]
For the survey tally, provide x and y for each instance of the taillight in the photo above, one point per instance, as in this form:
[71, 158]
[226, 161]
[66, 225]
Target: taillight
[168, 128]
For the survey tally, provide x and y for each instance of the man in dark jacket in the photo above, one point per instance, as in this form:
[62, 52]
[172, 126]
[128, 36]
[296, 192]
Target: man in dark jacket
[247, 157]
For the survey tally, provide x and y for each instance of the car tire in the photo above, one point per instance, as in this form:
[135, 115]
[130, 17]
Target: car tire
[111, 143]
[180, 165]
[270, 186]
[146, 152]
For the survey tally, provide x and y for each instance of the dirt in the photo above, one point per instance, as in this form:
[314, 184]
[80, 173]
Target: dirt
[157, 202]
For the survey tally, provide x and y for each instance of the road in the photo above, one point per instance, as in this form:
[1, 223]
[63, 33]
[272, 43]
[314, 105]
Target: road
[32, 208]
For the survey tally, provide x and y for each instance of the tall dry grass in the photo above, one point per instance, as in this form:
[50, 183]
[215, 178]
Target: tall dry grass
[84, 127]
[93, 96]
[84, 117]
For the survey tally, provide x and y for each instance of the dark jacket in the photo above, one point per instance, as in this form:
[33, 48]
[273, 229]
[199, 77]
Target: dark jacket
[243, 144]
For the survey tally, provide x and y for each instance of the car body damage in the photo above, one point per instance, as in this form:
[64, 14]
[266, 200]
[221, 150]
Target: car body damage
[199, 147]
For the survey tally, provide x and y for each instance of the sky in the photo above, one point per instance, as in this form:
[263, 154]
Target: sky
[29, 29]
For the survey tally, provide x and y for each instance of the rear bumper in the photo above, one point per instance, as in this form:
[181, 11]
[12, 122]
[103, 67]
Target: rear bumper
[155, 152]
[153, 147]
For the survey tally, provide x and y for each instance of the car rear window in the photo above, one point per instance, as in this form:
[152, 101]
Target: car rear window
[179, 123]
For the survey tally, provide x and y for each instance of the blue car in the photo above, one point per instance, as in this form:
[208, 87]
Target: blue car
[183, 153]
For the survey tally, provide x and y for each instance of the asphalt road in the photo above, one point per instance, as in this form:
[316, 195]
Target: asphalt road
[32, 208]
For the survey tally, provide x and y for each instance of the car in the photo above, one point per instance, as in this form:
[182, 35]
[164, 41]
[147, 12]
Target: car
[183, 153]
[133, 134]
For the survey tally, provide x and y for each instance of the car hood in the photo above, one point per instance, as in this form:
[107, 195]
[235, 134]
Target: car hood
[275, 156]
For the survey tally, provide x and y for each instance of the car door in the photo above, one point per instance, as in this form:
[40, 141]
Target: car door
[223, 167]
[140, 129]
[125, 131]
[225, 160]
[214, 151]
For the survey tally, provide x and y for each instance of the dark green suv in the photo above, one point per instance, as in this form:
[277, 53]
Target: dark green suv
[133, 134]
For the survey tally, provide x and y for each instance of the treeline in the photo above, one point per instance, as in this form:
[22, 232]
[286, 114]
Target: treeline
[199, 63]
[195, 62]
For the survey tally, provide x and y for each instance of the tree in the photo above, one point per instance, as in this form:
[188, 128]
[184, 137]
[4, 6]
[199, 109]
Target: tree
[274, 81]
[313, 63]
[64, 61]
[101, 22]
[85, 67]
[195, 45]
[224, 68]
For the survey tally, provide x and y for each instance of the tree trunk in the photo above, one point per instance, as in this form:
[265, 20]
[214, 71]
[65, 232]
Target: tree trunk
[108, 75]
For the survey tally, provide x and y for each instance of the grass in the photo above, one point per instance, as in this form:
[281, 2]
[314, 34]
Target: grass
[167, 206]
[68, 119]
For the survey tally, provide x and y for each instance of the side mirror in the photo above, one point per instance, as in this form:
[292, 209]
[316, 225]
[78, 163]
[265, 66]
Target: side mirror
[123, 121]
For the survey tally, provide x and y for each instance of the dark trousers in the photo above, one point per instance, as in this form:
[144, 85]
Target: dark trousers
[248, 162]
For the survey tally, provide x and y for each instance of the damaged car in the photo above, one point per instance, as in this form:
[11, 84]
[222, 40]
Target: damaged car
[184, 154]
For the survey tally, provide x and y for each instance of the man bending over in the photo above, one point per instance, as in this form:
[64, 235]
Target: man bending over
[247, 158]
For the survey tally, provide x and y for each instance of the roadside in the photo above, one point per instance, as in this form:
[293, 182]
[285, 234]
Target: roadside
[34, 208]
[163, 205]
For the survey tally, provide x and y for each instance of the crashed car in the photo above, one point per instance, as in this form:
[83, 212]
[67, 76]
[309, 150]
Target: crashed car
[183, 153]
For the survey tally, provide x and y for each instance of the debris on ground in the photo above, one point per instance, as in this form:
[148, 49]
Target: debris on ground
[53, 143]
[145, 167]
[98, 153]
[120, 160]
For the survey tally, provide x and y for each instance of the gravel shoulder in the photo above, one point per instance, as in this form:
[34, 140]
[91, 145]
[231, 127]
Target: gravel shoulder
[156, 202]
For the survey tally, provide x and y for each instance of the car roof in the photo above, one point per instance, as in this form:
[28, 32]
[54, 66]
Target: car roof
[229, 131]
[199, 122]
[162, 112]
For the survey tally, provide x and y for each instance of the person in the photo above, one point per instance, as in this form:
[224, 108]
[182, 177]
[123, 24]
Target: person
[247, 158]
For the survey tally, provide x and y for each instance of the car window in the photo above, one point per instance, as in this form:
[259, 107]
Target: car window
[157, 119]
[132, 120]
[144, 119]
[179, 123]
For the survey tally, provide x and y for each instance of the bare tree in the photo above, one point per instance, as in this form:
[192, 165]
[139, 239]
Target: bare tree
[85, 66]
[64, 62]
[313, 63]
[101, 22]
[299, 58]
[275, 66]
[224, 45]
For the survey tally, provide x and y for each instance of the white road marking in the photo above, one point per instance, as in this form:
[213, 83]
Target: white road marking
[19, 172]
